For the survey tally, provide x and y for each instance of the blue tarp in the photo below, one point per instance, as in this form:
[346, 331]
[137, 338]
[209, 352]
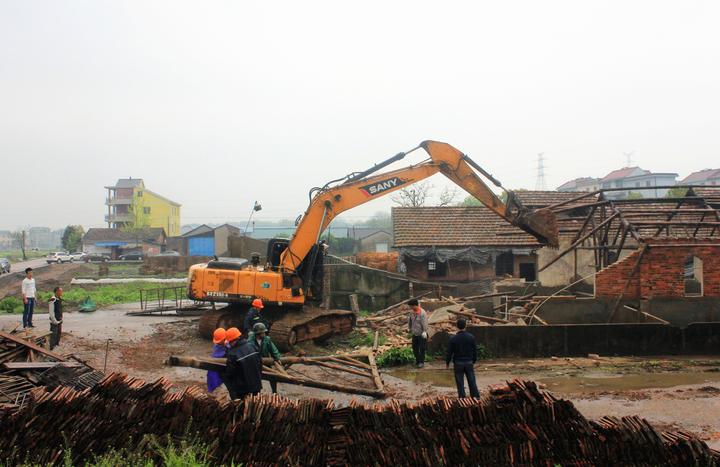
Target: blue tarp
[106, 244]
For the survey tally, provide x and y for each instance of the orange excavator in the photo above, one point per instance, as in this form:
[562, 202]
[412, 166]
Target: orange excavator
[290, 282]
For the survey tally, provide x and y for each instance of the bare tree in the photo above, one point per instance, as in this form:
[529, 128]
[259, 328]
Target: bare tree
[447, 196]
[19, 240]
[414, 195]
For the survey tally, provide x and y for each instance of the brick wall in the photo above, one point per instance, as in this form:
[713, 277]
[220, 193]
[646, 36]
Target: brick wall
[661, 271]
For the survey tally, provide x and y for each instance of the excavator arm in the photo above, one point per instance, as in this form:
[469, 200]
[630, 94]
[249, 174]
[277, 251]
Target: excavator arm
[356, 189]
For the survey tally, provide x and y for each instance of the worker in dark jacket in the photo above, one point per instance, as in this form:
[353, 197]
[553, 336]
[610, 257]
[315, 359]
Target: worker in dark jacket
[263, 344]
[243, 369]
[463, 353]
[253, 317]
[56, 317]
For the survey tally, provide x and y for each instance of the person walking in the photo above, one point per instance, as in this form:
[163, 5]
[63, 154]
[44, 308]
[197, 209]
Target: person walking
[253, 317]
[219, 350]
[267, 348]
[243, 371]
[28, 296]
[418, 326]
[56, 317]
[462, 351]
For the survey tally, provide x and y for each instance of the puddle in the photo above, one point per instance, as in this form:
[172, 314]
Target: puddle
[566, 384]
[628, 382]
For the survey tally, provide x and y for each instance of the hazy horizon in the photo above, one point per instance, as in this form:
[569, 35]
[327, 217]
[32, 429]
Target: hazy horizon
[218, 104]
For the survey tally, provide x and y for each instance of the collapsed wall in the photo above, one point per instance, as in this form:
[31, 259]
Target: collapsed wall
[513, 424]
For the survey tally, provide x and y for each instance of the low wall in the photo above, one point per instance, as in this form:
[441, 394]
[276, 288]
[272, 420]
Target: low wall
[572, 340]
[170, 264]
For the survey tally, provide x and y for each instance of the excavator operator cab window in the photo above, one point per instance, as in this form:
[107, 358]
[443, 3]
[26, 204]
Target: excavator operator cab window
[275, 248]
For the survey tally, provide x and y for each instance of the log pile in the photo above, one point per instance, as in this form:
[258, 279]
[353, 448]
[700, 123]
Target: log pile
[514, 424]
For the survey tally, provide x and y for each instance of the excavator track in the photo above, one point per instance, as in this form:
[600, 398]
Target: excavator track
[288, 327]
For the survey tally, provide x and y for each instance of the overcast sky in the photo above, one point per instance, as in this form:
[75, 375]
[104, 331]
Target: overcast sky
[218, 103]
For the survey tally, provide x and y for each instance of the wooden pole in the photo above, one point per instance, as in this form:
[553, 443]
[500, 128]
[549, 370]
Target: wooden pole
[218, 364]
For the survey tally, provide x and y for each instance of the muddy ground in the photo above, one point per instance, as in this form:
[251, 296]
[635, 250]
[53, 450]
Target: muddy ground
[672, 392]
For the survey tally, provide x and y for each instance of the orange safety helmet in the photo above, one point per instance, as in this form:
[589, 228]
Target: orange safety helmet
[257, 303]
[232, 334]
[219, 336]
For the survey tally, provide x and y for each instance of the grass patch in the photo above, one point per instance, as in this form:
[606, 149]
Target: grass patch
[16, 255]
[358, 339]
[103, 295]
[397, 356]
[11, 305]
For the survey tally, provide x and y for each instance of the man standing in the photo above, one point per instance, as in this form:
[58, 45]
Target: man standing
[253, 317]
[28, 295]
[243, 371]
[463, 353]
[263, 344]
[56, 317]
[418, 325]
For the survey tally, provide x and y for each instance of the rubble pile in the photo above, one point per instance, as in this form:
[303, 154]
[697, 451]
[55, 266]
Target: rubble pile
[516, 423]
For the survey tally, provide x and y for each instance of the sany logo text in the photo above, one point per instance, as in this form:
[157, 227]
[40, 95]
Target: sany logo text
[384, 185]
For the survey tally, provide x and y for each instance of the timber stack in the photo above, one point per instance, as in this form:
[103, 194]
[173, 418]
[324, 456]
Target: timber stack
[513, 424]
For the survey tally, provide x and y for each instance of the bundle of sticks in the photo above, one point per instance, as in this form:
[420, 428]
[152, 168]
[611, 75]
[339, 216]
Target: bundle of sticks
[512, 424]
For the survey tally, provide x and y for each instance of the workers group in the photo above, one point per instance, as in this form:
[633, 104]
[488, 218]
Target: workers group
[28, 291]
[243, 351]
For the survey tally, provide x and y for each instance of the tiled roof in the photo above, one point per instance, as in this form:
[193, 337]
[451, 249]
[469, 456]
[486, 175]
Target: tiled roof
[455, 227]
[540, 199]
[575, 182]
[711, 195]
[700, 176]
[622, 173]
[129, 182]
[118, 235]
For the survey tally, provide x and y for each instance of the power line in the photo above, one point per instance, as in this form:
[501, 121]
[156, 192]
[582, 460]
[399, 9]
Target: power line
[540, 180]
[628, 158]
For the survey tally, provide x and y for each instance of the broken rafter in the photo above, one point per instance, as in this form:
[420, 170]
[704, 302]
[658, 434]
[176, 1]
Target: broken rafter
[578, 242]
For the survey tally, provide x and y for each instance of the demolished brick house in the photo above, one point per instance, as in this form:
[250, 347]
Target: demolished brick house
[461, 244]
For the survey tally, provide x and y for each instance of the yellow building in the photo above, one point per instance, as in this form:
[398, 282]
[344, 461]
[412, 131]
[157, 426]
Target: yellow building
[130, 203]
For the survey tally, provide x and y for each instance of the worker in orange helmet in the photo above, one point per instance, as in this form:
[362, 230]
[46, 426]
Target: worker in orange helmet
[253, 317]
[219, 350]
[243, 367]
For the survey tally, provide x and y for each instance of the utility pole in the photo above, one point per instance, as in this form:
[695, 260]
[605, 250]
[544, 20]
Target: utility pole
[22, 247]
[540, 180]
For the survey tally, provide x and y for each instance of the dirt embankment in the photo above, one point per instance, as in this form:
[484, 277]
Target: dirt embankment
[46, 279]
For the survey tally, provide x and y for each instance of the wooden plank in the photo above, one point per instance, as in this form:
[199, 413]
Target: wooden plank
[375, 373]
[32, 346]
[38, 365]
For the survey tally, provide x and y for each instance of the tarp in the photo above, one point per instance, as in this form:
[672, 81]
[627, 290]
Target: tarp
[480, 255]
[106, 244]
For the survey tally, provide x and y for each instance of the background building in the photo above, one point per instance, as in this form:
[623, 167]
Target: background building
[586, 184]
[157, 211]
[637, 180]
[116, 242]
[702, 177]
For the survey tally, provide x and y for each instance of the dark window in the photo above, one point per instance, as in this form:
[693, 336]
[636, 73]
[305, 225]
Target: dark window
[527, 272]
[139, 194]
[146, 210]
[437, 269]
[504, 264]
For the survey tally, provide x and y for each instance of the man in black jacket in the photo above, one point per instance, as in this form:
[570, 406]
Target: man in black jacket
[56, 316]
[243, 370]
[463, 353]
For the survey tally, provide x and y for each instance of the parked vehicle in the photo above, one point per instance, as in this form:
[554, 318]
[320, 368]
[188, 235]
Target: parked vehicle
[4, 265]
[59, 257]
[96, 257]
[78, 256]
[131, 257]
[168, 253]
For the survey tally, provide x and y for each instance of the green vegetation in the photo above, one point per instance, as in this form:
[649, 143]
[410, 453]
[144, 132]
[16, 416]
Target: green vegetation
[357, 339]
[16, 255]
[635, 195]
[398, 356]
[72, 238]
[482, 352]
[103, 295]
[150, 452]
[677, 192]
[11, 305]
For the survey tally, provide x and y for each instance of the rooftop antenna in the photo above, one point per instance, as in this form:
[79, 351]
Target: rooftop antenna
[540, 180]
[628, 158]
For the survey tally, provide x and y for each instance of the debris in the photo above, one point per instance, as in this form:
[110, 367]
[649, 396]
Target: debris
[513, 424]
[594, 356]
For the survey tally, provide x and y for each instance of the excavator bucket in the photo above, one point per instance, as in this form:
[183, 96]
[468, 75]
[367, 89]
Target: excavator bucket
[542, 224]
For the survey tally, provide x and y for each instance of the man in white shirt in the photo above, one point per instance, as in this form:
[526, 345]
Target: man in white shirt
[28, 295]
